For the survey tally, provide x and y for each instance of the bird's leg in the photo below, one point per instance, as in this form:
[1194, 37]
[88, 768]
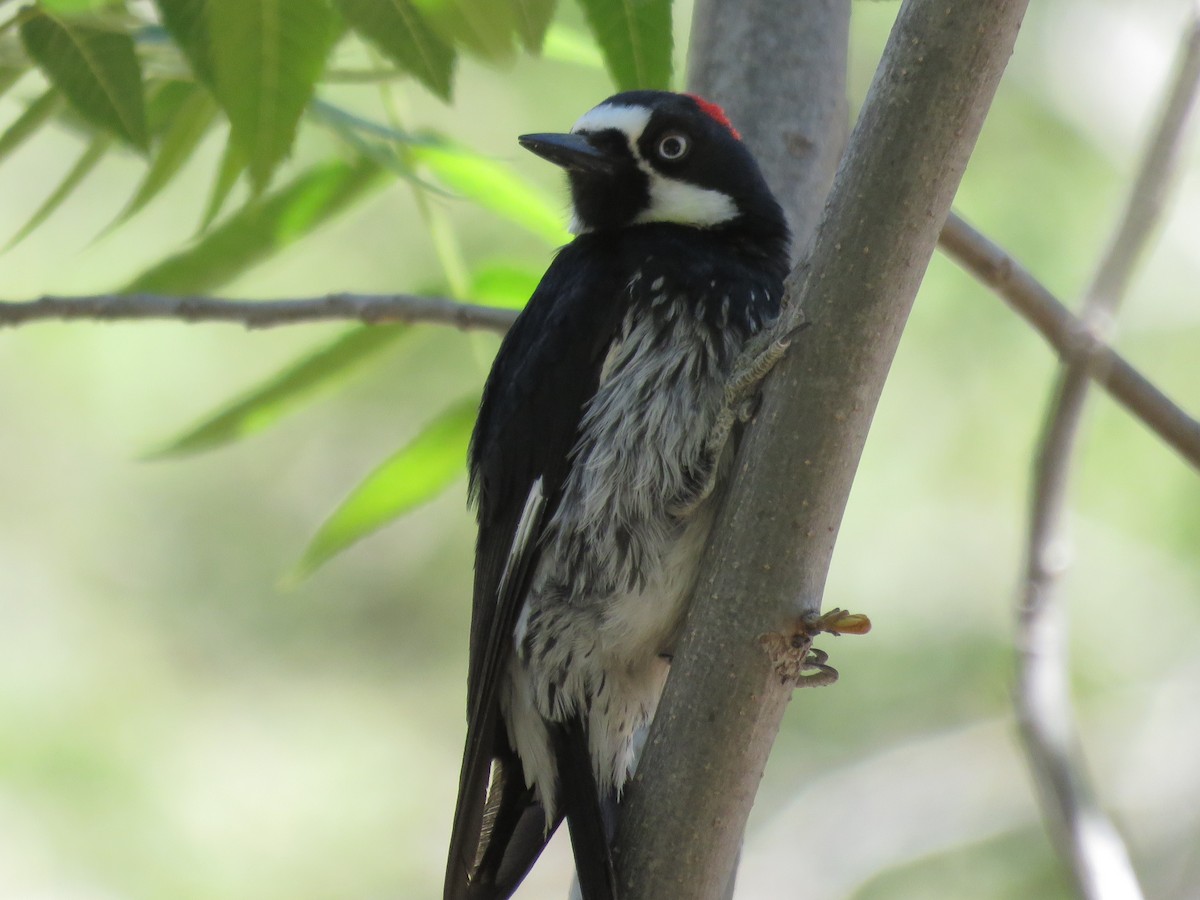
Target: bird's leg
[753, 364]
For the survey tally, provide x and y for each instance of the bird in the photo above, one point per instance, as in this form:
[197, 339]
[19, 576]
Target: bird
[604, 433]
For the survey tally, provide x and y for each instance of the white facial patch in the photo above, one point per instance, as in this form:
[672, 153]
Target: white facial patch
[631, 120]
[671, 199]
[677, 201]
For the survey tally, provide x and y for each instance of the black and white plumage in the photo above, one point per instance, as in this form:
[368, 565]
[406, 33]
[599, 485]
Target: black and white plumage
[592, 462]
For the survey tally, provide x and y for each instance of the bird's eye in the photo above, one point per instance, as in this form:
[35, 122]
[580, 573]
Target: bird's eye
[674, 146]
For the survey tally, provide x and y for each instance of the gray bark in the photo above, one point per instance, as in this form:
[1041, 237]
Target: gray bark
[741, 56]
[770, 551]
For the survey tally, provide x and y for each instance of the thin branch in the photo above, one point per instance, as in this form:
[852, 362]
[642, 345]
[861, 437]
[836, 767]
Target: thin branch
[367, 308]
[1086, 839]
[972, 250]
[1074, 342]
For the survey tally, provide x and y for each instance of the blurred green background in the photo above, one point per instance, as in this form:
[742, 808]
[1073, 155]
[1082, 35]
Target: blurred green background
[174, 725]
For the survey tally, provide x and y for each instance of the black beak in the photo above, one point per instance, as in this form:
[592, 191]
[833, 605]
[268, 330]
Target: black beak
[571, 151]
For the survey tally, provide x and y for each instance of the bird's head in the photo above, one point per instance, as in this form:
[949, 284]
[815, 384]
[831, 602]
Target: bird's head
[653, 156]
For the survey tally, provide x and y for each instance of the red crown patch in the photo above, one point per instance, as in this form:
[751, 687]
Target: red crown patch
[714, 112]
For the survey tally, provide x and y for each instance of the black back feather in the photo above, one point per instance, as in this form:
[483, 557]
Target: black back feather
[546, 371]
[528, 423]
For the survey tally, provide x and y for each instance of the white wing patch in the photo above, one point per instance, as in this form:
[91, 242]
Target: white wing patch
[526, 729]
[526, 526]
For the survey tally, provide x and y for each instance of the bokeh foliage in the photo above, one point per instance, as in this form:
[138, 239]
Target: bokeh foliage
[159, 78]
[171, 726]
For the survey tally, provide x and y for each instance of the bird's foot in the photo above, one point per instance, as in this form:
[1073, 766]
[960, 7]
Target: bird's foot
[793, 654]
[755, 362]
[738, 405]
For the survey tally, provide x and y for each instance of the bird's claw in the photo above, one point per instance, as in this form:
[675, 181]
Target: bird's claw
[822, 676]
[739, 405]
[793, 654]
[754, 364]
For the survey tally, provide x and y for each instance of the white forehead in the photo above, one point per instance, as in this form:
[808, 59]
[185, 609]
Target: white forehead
[631, 120]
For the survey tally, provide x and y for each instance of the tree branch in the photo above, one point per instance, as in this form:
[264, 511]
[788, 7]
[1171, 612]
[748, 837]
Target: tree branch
[1086, 839]
[767, 560]
[1074, 342]
[971, 249]
[368, 308]
[739, 54]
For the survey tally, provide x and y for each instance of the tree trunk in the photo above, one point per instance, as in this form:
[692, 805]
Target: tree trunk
[770, 550]
[740, 55]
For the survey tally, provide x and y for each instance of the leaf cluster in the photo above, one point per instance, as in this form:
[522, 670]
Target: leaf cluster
[159, 78]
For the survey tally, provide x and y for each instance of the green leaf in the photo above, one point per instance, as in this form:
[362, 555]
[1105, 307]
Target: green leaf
[282, 393]
[507, 285]
[187, 23]
[262, 227]
[374, 141]
[91, 156]
[233, 164]
[352, 130]
[72, 6]
[570, 46]
[494, 187]
[635, 37]
[399, 31]
[164, 99]
[96, 70]
[9, 75]
[484, 28]
[267, 55]
[533, 18]
[35, 116]
[179, 141]
[414, 475]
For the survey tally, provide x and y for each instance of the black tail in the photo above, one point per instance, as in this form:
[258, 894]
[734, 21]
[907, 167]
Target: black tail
[590, 817]
[514, 834]
[508, 831]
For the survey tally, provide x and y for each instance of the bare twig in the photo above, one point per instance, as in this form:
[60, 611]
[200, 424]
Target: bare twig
[368, 308]
[990, 263]
[1068, 335]
[984, 259]
[1086, 839]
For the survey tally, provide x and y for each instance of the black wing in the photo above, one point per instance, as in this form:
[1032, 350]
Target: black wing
[547, 369]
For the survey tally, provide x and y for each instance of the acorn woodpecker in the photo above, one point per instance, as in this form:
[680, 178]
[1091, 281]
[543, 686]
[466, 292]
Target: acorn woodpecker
[602, 432]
